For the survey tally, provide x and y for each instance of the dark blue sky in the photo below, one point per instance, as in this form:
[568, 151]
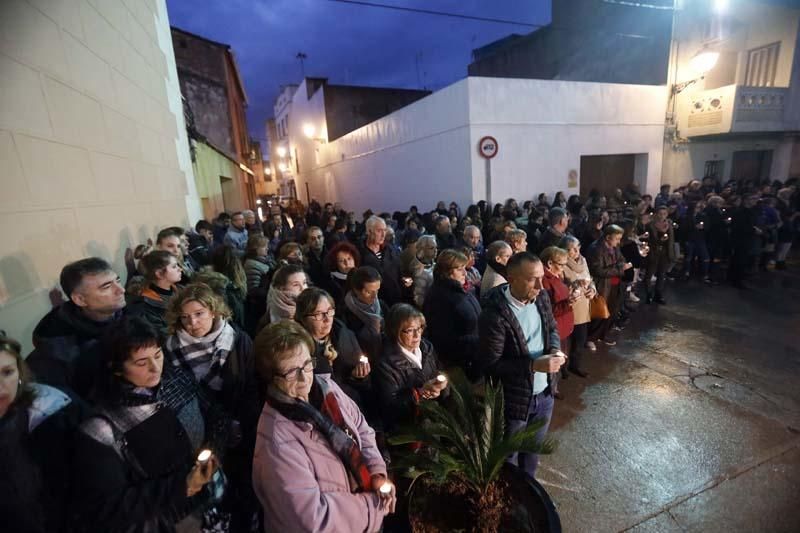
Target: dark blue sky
[349, 44]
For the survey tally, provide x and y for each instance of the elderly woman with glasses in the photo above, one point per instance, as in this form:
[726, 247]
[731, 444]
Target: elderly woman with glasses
[316, 466]
[408, 372]
[561, 296]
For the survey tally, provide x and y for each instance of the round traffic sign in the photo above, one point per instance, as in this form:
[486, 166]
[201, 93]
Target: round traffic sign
[488, 147]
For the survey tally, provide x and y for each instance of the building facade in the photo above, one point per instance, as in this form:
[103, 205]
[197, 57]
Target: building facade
[212, 86]
[314, 113]
[740, 119]
[92, 139]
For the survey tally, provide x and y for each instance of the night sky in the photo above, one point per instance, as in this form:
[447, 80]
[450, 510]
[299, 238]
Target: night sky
[350, 44]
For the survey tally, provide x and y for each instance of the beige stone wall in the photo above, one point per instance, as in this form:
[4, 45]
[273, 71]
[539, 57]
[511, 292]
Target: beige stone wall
[93, 152]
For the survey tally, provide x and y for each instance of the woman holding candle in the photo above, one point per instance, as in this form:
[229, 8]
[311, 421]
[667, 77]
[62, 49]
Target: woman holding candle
[406, 374]
[364, 310]
[577, 276]
[695, 244]
[316, 465]
[337, 352]
[135, 459]
[661, 255]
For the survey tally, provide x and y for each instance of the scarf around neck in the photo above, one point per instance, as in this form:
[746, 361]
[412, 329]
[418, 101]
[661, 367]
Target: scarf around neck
[370, 315]
[281, 304]
[338, 275]
[497, 267]
[204, 356]
[324, 413]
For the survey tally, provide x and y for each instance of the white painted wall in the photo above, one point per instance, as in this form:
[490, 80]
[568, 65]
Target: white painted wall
[92, 142]
[543, 127]
[417, 155]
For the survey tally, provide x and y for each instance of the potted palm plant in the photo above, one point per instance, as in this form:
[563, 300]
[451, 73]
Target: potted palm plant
[459, 478]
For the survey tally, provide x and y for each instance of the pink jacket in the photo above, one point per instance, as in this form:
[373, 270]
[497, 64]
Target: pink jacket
[301, 482]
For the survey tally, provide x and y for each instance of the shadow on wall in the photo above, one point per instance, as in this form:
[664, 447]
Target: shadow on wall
[18, 277]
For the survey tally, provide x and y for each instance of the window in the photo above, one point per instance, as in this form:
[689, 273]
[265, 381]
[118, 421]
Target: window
[761, 65]
[714, 169]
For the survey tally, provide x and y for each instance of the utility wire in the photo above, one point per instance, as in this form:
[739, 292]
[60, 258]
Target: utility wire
[439, 13]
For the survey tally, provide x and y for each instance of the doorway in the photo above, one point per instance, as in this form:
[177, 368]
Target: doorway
[228, 193]
[751, 165]
[606, 173]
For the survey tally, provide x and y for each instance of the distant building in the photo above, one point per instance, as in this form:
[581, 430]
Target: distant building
[738, 120]
[587, 40]
[212, 86]
[317, 112]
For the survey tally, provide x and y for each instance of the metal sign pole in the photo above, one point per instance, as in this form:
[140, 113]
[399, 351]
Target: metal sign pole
[489, 182]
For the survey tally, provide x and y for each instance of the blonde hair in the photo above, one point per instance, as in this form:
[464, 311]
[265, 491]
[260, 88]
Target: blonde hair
[195, 292]
[448, 261]
[553, 253]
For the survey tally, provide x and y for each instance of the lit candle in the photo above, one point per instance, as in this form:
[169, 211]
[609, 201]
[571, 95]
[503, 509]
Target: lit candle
[386, 488]
[204, 456]
[363, 360]
[441, 378]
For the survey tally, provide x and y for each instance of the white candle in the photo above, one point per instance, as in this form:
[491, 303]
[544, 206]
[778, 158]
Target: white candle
[363, 359]
[386, 488]
[204, 456]
[440, 378]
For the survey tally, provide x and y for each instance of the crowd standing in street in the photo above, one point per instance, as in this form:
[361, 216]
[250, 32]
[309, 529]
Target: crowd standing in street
[246, 374]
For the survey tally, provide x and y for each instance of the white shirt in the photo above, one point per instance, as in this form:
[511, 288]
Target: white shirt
[415, 357]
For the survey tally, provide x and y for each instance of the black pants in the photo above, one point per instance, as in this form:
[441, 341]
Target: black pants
[742, 262]
[657, 264]
[598, 329]
[577, 342]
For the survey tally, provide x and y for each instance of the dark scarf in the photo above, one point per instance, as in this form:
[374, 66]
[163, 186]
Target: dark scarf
[497, 267]
[323, 412]
[70, 314]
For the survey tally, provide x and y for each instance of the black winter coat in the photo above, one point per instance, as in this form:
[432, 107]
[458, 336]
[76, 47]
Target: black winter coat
[130, 474]
[389, 268]
[36, 444]
[452, 318]
[397, 381]
[503, 352]
[151, 306]
[371, 344]
[66, 351]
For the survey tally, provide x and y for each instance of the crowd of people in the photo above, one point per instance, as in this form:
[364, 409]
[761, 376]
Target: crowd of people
[244, 375]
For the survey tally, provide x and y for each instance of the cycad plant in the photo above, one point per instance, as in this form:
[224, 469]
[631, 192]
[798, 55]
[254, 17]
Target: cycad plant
[463, 444]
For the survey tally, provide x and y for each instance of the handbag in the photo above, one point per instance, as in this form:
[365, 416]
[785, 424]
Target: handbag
[598, 308]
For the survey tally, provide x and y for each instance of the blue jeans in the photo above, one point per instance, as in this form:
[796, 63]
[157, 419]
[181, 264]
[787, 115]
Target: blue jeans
[541, 407]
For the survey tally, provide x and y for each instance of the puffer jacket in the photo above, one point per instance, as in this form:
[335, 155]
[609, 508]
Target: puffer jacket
[503, 352]
[452, 316]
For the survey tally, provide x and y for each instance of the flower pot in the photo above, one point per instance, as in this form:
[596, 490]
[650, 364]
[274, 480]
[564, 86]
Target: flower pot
[525, 507]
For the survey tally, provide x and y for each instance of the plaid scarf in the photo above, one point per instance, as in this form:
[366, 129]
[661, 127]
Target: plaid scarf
[205, 356]
[328, 419]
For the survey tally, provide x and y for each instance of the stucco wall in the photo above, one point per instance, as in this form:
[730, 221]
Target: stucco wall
[92, 142]
[417, 155]
[544, 127]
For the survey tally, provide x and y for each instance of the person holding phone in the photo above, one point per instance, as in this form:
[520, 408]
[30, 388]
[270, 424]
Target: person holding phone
[135, 466]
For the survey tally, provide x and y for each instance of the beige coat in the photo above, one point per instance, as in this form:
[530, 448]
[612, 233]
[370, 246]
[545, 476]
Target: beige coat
[490, 280]
[579, 272]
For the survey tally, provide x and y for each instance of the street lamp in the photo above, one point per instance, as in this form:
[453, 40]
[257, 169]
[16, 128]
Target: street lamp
[281, 151]
[309, 130]
[704, 60]
[282, 167]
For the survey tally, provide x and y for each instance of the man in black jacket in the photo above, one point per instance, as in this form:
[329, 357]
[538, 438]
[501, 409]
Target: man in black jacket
[66, 352]
[315, 252]
[559, 222]
[519, 345]
[382, 258]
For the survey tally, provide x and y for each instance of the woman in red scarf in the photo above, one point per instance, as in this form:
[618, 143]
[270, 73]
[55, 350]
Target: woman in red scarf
[554, 260]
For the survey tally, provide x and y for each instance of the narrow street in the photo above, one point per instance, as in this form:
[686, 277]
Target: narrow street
[690, 423]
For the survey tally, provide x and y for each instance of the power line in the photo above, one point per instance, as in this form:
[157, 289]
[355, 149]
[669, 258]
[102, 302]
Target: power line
[439, 13]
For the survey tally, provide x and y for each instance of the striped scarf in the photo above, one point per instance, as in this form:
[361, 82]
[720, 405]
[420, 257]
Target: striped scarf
[204, 356]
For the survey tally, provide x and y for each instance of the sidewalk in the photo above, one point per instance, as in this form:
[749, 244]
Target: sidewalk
[690, 423]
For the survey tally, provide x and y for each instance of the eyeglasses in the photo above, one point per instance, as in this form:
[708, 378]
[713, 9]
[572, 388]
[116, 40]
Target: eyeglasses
[295, 374]
[413, 331]
[322, 315]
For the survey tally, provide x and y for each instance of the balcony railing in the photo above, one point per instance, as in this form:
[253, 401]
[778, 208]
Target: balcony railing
[733, 109]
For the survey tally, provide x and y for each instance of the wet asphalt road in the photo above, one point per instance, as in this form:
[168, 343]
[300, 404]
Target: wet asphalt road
[690, 423]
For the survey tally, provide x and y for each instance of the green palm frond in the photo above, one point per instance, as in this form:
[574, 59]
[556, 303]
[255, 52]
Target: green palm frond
[464, 437]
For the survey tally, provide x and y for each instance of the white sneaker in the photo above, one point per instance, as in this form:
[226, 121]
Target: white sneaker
[591, 346]
[633, 298]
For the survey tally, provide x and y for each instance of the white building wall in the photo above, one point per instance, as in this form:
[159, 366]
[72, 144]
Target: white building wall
[92, 143]
[543, 128]
[414, 156]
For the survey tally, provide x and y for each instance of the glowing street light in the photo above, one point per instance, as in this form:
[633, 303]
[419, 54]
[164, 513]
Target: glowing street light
[281, 151]
[309, 130]
[721, 6]
[703, 61]
[282, 167]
